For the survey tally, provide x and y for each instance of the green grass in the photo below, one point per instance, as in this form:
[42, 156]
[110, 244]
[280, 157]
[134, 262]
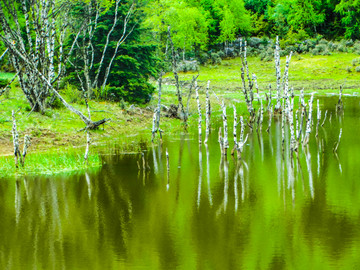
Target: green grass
[313, 73]
[130, 130]
[48, 163]
[6, 76]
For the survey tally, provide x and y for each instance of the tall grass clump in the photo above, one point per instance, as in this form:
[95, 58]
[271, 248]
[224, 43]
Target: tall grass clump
[48, 164]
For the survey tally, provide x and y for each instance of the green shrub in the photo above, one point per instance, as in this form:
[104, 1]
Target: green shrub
[323, 42]
[254, 42]
[341, 48]
[320, 49]
[356, 61]
[203, 58]
[215, 59]
[356, 48]
[311, 43]
[357, 69]
[72, 93]
[332, 46]
[135, 92]
[303, 48]
[3, 83]
[186, 66]
[221, 54]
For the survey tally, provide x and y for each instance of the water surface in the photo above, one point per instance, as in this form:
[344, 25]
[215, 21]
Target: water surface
[266, 212]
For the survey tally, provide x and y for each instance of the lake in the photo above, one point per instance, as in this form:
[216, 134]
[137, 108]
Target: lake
[267, 211]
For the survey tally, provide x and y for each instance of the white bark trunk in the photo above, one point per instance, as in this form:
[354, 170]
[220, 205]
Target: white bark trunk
[208, 113]
[278, 75]
[199, 112]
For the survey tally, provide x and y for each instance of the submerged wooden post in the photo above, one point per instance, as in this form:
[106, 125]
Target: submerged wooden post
[240, 144]
[199, 111]
[159, 107]
[225, 142]
[340, 105]
[318, 117]
[207, 112]
[234, 131]
[156, 117]
[154, 129]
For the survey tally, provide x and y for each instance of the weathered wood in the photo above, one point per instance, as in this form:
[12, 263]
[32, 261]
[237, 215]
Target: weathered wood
[15, 136]
[308, 122]
[240, 144]
[88, 141]
[154, 128]
[199, 112]
[286, 85]
[278, 75]
[270, 99]
[247, 92]
[234, 130]
[194, 78]
[27, 142]
[318, 118]
[182, 113]
[340, 105]
[207, 113]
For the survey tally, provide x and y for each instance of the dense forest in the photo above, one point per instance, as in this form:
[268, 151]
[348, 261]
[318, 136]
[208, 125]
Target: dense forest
[109, 49]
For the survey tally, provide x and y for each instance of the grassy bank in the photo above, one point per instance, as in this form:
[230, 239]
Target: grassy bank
[313, 73]
[58, 144]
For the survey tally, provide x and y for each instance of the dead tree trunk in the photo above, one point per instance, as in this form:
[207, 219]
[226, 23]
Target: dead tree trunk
[27, 141]
[278, 76]
[207, 112]
[181, 111]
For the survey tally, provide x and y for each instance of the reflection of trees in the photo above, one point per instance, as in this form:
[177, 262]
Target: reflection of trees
[58, 223]
[110, 220]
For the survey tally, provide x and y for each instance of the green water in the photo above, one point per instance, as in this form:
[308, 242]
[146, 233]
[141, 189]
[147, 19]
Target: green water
[266, 212]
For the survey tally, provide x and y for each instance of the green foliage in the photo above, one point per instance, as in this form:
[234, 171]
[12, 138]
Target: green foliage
[72, 94]
[188, 22]
[186, 66]
[3, 83]
[350, 10]
[134, 64]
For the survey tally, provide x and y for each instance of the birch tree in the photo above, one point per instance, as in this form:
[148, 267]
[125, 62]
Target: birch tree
[93, 72]
[33, 30]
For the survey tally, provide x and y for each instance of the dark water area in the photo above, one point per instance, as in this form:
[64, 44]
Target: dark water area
[266, 212]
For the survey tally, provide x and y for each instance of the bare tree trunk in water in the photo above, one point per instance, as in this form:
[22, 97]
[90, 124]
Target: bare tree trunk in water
[181, 111]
